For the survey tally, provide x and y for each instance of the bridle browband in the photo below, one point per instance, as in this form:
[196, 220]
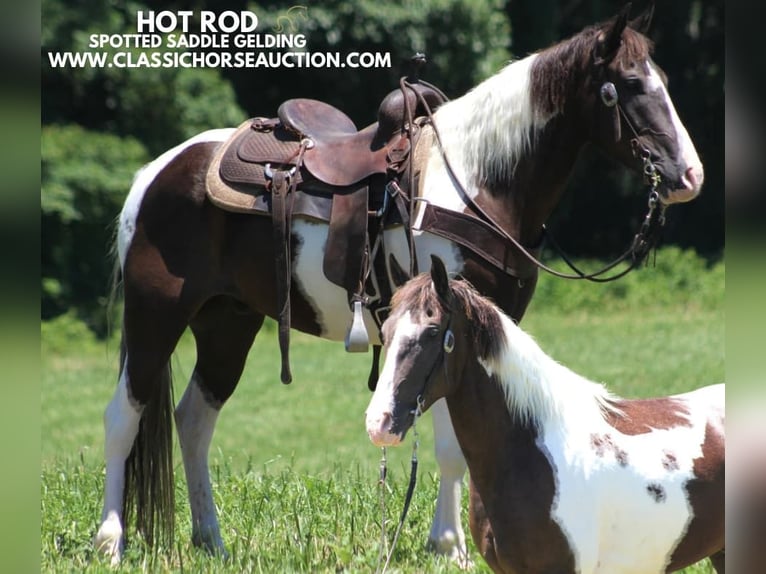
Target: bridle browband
[643, 241]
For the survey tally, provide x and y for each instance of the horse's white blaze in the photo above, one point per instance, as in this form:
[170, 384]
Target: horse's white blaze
[694, 174]
[121, 420]
[143, 179]
[381, 405]
[607, 506]
[195, 421]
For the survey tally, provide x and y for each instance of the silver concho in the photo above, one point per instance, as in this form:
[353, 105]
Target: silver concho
[609, 94]
[449, 341]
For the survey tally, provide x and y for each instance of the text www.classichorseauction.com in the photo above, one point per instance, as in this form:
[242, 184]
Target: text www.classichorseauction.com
[164, 40]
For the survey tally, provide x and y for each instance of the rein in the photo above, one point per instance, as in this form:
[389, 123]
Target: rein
[407, 498]
[643, 241]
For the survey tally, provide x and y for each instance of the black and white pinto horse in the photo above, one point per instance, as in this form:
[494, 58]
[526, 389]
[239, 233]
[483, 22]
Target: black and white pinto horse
[511, 143]
[565, 476]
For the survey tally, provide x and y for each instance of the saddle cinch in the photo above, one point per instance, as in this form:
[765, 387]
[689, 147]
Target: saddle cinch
[311, 162]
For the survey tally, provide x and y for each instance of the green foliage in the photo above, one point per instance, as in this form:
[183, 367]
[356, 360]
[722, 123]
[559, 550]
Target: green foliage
[674, 278]
[85, 177]
[465, 41]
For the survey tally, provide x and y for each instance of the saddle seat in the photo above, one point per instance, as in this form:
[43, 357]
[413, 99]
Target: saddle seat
[338, 154]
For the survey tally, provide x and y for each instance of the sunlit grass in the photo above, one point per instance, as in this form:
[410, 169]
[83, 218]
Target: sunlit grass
[295, 476]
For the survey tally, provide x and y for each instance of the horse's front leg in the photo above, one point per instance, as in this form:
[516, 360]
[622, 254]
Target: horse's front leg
[195, 417]
[447, 536]
[121, 420]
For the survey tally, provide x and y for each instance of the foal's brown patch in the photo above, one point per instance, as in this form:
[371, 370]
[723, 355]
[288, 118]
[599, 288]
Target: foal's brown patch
[706, 494]
[603, 444]
[645, 415]
[669, 461]
[656, 491]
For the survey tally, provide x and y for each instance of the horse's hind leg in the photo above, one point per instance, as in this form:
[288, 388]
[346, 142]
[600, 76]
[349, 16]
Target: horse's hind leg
[121, 420]
[224, 331]
[138, 432]
[447, 536]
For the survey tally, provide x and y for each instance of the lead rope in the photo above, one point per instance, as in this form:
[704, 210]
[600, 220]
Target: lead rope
[418, 411]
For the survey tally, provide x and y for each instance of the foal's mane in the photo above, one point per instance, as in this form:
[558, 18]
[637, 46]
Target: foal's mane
[419, 297]
[537, 388]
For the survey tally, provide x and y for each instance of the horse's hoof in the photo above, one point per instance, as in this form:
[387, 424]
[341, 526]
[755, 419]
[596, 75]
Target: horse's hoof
[108, 541]
[451, 548]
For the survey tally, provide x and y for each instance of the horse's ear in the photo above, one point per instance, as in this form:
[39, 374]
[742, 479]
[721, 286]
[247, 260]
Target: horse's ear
[610, 38]
[441, 280]
[642, 22]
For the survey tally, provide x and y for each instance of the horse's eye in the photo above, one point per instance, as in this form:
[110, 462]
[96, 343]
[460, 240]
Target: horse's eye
[433, 330]
[634, 84]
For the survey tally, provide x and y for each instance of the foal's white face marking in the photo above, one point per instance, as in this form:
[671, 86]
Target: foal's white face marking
[381, 405]
[695, 175]
[144, 178]
[609, 505]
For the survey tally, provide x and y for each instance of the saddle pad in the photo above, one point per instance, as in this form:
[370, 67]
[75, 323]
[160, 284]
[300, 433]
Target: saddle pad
[245, 196]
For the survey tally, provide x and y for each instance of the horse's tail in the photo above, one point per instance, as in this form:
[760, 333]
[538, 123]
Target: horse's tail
[149, 486]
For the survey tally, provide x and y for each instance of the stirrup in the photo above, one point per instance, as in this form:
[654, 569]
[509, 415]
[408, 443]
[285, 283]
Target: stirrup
[357, 340]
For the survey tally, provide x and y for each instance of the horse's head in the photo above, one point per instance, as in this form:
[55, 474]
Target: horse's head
[634, 117]
[419, 339]
[428, 340]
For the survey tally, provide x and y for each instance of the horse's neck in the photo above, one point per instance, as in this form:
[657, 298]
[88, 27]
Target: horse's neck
[485, 427]
[527, 389]
[510, 156]
[509, 471]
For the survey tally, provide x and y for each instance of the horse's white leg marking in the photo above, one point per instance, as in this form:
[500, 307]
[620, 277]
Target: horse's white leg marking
[447, 536]
[195, 421]
[145, 176]
[121, 420]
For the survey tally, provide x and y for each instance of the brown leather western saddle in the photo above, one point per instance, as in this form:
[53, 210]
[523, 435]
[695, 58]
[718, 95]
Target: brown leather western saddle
[311, 161]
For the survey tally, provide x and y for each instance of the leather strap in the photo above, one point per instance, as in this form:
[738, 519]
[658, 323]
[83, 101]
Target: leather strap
[480, 237]
[281, 231]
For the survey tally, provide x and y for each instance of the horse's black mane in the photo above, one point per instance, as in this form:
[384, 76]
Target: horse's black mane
[559, 69]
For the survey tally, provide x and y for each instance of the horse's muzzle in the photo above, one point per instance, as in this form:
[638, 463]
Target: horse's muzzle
[687, 189]
[379, 429]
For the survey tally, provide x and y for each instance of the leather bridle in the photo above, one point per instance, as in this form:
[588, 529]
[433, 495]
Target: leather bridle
[643, 241]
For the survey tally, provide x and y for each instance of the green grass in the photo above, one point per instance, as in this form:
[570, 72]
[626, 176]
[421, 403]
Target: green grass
[294, 473]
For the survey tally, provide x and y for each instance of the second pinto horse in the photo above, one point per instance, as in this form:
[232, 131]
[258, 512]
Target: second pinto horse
[565, 476]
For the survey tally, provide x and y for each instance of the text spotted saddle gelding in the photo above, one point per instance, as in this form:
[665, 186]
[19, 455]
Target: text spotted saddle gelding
[505, 150]
[565, 477]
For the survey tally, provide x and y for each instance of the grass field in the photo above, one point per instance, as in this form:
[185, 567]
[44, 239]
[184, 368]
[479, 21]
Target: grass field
[294, 473]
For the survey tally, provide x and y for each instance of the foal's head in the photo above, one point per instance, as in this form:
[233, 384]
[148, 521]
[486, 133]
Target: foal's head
[605, 76]
[435, 328]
